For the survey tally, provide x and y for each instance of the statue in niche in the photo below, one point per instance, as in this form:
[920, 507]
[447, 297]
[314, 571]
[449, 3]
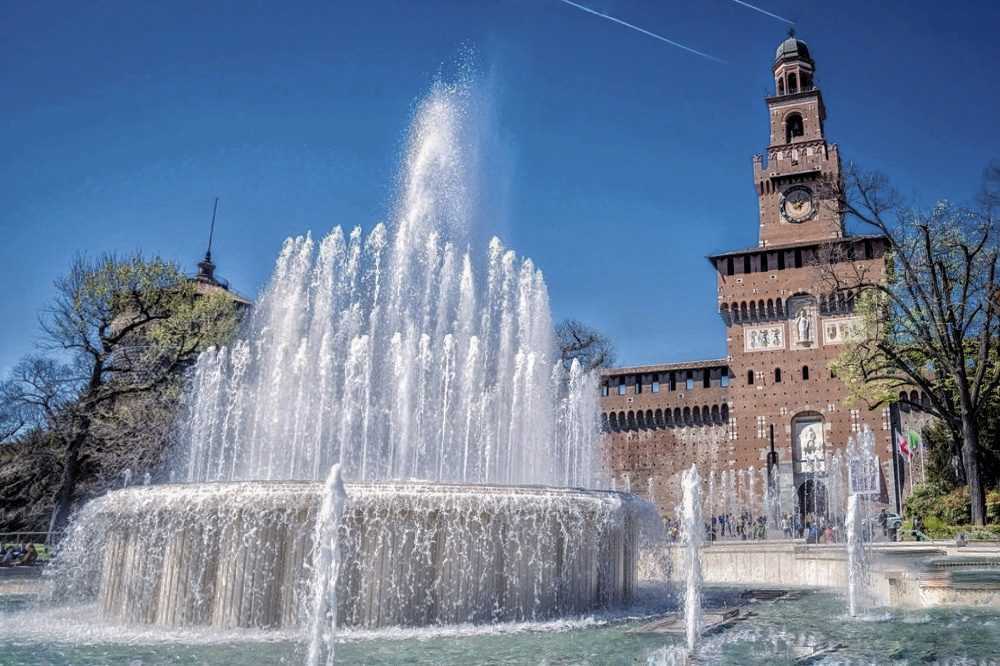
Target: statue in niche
[804, 326]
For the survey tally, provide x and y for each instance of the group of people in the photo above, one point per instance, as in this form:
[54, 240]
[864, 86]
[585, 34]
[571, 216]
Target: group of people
[812, 528]
[18, 555]
[743, 526]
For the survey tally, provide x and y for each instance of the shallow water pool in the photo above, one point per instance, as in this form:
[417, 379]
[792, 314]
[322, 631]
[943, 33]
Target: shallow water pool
[777, 633]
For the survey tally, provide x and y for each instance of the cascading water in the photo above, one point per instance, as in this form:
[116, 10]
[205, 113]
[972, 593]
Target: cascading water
[389, 356]
[432, 388]
[693, 535]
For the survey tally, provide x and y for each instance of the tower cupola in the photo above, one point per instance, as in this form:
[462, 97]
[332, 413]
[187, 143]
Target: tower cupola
[793, 66]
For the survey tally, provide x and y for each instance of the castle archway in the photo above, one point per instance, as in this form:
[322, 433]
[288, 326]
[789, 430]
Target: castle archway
[812, 498]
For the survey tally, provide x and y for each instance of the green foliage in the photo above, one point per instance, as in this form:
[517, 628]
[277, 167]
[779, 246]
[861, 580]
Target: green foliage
[924, 501]
[993, 506]
[932, 502]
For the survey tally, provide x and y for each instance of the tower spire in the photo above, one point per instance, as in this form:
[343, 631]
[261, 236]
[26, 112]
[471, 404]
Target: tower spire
[206, 269]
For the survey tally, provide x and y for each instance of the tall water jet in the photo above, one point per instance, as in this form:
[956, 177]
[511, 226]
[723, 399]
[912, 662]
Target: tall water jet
[855, 553]
[326, 566]
[693, 535]
[863, 477]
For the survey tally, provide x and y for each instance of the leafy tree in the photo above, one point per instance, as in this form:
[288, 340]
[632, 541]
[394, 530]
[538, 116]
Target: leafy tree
[933, 320]
[581, 342]
[125, 327]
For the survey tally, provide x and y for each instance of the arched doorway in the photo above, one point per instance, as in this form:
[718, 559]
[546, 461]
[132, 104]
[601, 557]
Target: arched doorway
[812, 498]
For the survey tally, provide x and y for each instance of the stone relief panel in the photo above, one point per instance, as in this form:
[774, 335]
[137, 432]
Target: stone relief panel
[764, 338]
[808, 446]
[839, 330]
[802, 322]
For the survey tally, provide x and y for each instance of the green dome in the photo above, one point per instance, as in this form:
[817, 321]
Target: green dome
[792, 49]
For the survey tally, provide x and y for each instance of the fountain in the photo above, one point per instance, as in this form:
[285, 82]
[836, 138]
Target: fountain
[693, 535]
[863, 483]
[464, 442]
[326, 562]
[855, 553]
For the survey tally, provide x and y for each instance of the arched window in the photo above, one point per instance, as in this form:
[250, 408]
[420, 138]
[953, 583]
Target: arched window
[613, 421]
[659, 418]
[781, 86]
[631, 421]
[706, 414]
[678, 420]
[622, 423]
[640, 422]
[750, 381]
[649, 419]
[793, 127]
[696, 414]
[915, 398]
[725, 412]
[793, 83]
[687, 416]
[604, 422]
[715, 413]
[777, 375]
[770, 308]
[805, 372]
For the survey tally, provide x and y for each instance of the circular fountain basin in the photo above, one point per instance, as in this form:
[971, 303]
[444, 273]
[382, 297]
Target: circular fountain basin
[411, 553]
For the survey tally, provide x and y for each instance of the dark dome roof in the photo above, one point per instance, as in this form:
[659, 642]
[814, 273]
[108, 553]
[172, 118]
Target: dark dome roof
[792, 49]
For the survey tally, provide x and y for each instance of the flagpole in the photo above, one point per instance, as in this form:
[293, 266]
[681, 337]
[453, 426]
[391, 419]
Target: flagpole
[923, 461]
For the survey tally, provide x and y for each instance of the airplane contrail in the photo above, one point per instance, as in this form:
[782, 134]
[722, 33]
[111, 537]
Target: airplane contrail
[764, 11]
[643, 31]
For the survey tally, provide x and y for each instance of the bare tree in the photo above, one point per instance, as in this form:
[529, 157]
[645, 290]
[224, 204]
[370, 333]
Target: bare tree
[933, 320]
[581, 342]
[125, 326]
[13, 419]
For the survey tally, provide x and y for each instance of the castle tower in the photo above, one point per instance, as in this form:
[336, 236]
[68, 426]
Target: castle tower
[784, 325]
[796, 180]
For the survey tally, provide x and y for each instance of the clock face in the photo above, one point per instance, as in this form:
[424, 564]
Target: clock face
[797, 204]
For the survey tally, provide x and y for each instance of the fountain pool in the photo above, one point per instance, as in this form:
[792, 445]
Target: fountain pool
[771, 636]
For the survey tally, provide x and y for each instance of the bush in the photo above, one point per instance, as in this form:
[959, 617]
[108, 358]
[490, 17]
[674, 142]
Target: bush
[993, 506]
[931, 501]
[925, 500]
[956, 507]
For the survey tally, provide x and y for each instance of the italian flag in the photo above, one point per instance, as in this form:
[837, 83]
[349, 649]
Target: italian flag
[904, 445]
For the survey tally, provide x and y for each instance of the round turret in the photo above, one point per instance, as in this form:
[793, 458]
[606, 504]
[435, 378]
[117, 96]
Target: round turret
[792, 49]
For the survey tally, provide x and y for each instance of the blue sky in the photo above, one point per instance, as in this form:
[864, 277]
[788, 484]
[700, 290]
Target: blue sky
[622, 161]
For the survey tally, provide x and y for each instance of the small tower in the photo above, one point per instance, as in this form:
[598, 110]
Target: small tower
[798, 178]
[206, 268]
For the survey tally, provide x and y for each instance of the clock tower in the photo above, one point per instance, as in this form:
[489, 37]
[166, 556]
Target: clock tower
[797, 179]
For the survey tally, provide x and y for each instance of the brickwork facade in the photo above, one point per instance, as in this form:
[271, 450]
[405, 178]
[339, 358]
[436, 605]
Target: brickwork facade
[782, 330]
